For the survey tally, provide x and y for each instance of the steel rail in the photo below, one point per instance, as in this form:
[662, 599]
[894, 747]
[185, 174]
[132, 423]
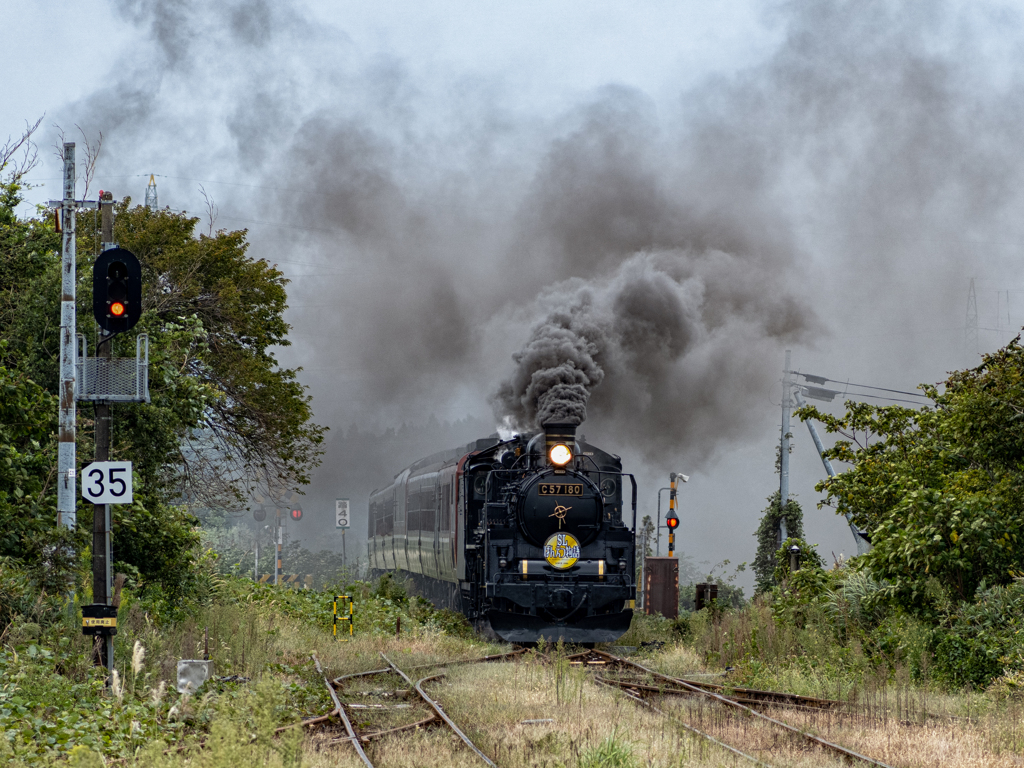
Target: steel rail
[772, 696]
[372, 672]
[729, 702]
[437, 708]
[344, 716]
[678, 721]
[755, 697]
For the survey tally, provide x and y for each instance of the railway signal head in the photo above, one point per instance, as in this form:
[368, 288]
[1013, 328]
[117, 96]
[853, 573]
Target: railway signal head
[296, 513]
[116, 290]
[672, 521]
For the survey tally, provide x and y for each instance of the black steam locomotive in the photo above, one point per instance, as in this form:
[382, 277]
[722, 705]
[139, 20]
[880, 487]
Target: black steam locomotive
[524, 536]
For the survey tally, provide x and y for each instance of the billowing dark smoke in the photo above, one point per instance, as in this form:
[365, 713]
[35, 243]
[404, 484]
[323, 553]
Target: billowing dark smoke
[555, 373]
[649, 345]
[649, 258]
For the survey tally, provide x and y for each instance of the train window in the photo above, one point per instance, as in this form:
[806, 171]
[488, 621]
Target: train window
[427, 520]
[446, 501]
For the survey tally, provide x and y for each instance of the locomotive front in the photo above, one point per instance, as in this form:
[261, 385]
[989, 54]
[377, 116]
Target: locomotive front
[558, 560]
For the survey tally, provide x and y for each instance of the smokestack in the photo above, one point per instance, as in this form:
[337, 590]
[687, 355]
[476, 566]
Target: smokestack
[558, 432]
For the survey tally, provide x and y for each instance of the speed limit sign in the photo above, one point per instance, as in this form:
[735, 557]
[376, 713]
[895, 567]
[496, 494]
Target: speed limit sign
[107, 482]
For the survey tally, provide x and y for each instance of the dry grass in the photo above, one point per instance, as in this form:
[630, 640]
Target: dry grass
[491, 701]
[889, 718]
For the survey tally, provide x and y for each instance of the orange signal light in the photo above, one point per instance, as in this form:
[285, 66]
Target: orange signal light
[117, 309]
[296, 514]
[672, 522]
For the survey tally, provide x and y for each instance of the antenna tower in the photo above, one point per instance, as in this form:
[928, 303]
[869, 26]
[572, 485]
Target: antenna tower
[971, 324]
[152, 204]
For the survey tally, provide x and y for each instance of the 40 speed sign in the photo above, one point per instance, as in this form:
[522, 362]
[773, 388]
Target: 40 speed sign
[107, 482]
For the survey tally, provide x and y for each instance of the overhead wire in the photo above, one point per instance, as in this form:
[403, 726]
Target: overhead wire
[822, 379]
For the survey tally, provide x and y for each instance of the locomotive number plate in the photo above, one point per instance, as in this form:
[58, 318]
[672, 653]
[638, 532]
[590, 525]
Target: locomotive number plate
[560, 489]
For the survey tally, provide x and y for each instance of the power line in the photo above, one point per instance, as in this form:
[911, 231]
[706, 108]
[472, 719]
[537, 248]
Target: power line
[821, 380]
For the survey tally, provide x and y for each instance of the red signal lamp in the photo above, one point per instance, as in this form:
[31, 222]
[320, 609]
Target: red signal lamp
[672, 522]
[296, 514]
[117, 309]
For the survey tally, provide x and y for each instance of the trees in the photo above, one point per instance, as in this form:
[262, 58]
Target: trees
[941, 489]
[214, 315]
[223, 417]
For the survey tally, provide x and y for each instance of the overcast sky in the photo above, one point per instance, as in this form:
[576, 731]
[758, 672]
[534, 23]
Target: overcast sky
[822, 177]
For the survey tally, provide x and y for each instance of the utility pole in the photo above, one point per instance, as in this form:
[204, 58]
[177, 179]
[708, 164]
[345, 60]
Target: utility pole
[101, 528]
[971, 324]
[66, 460]
[787, 404]
[279, 540]
[66, 486]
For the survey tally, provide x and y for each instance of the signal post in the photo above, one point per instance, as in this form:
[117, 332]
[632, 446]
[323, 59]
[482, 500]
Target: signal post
[661, 574]
[117, 307]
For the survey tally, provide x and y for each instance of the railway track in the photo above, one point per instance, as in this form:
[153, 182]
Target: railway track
[643, 686]
[743, 700]
[436, 717]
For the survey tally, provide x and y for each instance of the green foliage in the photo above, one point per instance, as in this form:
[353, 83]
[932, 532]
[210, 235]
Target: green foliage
[222, 314]
[28, 417]
[21, 600]
[797, 589]
[612, 752]
[983, 639]
[730, 595]
[768, 538]
[940, 490]
[46, 716]
[223, 413]
[379, 606]
[324, 566]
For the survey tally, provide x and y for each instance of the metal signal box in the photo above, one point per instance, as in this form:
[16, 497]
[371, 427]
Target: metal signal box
[661, 586]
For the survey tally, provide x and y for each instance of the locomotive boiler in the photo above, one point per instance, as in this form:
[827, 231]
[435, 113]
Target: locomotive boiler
[524, 536]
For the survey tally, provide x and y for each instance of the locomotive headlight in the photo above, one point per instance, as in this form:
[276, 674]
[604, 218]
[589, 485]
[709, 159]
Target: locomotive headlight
[560, 455]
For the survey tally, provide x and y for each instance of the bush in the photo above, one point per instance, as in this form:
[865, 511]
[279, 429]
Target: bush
[981, 638]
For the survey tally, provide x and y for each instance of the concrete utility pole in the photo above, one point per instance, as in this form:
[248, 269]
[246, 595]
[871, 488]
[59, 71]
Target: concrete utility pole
[101, 528]
[66, 485]
[278, 540]
[66, 467]
[971, 324]
[787, 404]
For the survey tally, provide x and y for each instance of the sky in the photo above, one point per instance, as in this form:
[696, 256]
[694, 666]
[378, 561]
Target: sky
[694, 188]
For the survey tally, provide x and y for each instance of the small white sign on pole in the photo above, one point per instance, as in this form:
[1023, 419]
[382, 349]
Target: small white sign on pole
[107, 482]
[341, 514]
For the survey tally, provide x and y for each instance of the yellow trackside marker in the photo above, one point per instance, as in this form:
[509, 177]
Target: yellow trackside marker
[347, 604]
[88, 622]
